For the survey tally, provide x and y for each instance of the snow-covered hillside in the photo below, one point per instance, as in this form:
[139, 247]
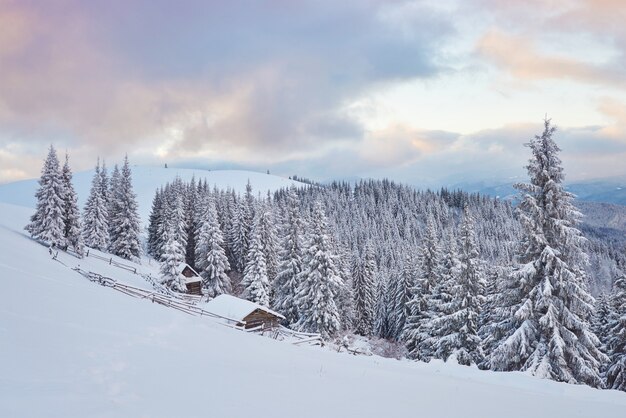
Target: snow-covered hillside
[146, 180]
[71, 348]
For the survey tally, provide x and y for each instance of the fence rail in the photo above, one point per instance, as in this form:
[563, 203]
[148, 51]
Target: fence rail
[188, 304]
[300, 337]
[112, 262]
[163, 299]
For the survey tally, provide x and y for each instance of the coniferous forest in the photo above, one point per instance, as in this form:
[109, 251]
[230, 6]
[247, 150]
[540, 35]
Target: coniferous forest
[440, 274]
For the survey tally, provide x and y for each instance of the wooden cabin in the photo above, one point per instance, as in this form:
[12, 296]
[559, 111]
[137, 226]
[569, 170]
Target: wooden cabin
[246, 314]
[192, 280]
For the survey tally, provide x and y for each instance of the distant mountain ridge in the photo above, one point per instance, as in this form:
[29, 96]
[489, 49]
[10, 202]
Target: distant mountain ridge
[608, 190]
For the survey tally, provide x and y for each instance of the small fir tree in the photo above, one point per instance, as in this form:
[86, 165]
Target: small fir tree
[71, 214]
[172, 261]
[95, 215]
[48, 223]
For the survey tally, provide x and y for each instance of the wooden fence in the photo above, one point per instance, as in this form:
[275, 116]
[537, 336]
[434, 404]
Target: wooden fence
[189, 305]
[112, 262]
[166, 300]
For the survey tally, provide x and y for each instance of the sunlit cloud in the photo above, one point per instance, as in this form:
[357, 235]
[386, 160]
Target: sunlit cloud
[521, 59]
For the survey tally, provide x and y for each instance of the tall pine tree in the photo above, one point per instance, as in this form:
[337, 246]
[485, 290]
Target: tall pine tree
[545, 305]
[211, 257]
[285, 285]
[416, 333]
[319, 281]
[363, 282]
[125, 218]
[255, 278]
[616, 374]
[457, 329]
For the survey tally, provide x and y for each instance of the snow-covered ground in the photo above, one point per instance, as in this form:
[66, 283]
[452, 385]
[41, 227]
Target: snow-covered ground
[72, 348]
[146, 180]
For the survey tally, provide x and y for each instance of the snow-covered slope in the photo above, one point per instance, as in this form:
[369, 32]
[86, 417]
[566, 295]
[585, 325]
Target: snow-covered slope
[146, 180]
[71, 348]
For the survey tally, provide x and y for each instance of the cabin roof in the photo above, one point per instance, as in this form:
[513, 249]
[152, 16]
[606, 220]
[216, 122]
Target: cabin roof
[236, 308]
[193, 279]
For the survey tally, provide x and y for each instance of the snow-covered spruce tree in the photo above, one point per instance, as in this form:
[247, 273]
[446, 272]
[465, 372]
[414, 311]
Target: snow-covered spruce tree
[192, 222]
[255, 280]
[545, 306]
[176, 212]
[110, 191]
[616, 374]
[416, 331]
[489, 317]
[239, 235]
[211, 257]
[603, 315]
[319, 281]
[345, 296]
[47, 223]
[402, 295]
[457, 330]
[172, 260]
[104, 183]
[155, 238]
[95, 215]
[125, 220]
[71, 214]
[450, 266]
[285, 285]
[240, 229]
[363, 284]
[382, 325]
[268, 237]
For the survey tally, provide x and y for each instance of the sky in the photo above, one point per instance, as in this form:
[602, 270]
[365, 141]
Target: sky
[425, 92]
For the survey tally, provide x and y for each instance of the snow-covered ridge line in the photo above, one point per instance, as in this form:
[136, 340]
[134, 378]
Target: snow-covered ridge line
[147, 179]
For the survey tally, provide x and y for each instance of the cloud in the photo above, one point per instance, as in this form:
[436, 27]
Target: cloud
[275, 84]
[400, 145]
[243, 80]
[616, 111]
[499, 155]
[519, 57]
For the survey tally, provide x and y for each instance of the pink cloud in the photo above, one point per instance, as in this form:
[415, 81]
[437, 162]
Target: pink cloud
[520, 57]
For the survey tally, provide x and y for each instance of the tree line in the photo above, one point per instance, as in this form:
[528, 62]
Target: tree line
[109, 221]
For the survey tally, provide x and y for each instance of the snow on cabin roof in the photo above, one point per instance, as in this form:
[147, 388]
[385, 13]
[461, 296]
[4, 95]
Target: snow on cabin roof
[235, 308]
[192, 279]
